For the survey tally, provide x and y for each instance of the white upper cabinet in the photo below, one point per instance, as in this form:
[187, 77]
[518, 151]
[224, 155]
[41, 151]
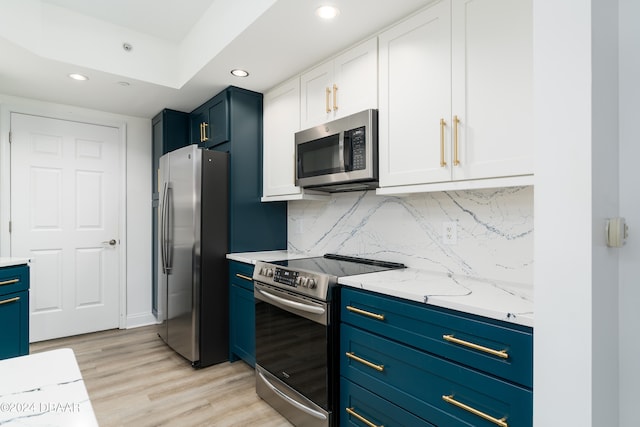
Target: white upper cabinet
[456, 94]
[415, 94]
[492, 88]
[281, 120]
[345, 85]
[281, 115]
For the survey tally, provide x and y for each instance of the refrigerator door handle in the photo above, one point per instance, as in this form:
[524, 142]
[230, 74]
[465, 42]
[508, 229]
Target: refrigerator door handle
[163, 228]
[168, 234]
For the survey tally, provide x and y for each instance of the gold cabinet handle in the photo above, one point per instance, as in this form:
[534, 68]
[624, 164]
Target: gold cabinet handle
[335, 97]
[351, 355]
[8, 282]
[500, 353]
[456, 160]
[442, 125]
[353, 413]
[242, 276]
[365, 313]
[326, 98]
[502, 422]
[205, 138]
[7, 301]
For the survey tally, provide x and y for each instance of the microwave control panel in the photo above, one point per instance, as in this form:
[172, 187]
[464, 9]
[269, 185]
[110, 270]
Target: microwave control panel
[358, 148]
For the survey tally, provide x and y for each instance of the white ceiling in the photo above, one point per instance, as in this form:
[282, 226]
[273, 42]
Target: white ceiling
[183, 51]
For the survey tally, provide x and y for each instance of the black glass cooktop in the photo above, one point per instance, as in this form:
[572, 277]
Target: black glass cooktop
[338, 265]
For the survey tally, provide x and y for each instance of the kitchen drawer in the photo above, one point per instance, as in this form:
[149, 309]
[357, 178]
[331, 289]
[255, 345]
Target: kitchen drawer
[240, 274]
[427, 328]
[14, 318]
[372, 408]
[421, 383]
[14, 279]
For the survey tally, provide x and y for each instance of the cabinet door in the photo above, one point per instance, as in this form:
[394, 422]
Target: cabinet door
[197, 118]
[14, 318]
[242, 334]
[415, 95]
[355, 85]
[316, 96]
[217, 131]
[492, 87]
[281, 121]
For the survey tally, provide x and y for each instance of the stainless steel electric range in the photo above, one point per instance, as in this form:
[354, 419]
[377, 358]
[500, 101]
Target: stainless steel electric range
[297, 325]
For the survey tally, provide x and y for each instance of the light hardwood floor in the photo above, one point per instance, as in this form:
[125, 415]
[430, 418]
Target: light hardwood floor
[134, 379]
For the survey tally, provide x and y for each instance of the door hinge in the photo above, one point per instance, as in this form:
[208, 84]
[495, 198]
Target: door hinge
[10, 141]
[9, 226]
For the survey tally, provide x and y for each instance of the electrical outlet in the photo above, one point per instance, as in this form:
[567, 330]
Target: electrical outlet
[450, 233]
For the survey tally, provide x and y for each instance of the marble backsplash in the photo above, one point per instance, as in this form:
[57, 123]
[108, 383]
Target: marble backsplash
[494, 230]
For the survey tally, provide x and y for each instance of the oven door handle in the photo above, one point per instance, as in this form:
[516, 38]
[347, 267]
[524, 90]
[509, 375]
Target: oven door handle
[293, 402]
[293, 304]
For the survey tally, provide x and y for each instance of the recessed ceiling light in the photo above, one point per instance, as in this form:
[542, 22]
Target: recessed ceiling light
[123, 83]
[76, 76]
[327, 12]
[239, 73]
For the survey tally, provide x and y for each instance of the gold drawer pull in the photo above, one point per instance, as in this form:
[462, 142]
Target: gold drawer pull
[335, 97]
[366, 313]
[502, 422]
[8, 282]
[7, 301]
[351, 412]
[500, 353]
[351, 355]
[242, 276]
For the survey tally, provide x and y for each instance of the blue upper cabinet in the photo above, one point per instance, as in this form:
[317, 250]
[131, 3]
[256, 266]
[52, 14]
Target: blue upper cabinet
[210, 121]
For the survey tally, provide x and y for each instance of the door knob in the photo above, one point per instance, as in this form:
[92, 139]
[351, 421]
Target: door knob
[111, 242]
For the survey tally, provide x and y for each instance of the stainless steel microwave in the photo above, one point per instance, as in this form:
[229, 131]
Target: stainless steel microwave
[341, 155]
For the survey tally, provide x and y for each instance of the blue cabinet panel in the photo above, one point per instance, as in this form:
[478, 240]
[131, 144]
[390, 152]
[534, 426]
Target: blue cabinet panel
[254, 226]
[425, 327]
[419, 382]
[357, 403]
[242, 335]
[14, 311]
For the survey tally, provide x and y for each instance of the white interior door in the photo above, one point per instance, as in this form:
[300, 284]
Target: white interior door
[65, 217]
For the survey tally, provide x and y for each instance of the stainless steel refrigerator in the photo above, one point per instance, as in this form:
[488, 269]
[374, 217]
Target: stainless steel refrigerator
[193, 242]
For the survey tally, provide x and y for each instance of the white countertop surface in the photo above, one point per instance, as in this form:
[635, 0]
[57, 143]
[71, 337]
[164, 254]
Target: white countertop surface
[252, 257]
[510, 302]
[11, 261]
[497, 300]
[44, 389]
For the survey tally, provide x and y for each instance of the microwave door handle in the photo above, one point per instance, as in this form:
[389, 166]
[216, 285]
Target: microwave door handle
[348, 152]
[341, 152]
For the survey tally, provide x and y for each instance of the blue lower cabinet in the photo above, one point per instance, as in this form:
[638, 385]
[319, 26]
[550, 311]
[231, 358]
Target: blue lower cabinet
[14, 311]
[242, 328]
[430, 387]
[359, 407]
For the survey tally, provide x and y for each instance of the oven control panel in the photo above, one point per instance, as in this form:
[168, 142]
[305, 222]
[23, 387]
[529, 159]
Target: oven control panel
[304, 282]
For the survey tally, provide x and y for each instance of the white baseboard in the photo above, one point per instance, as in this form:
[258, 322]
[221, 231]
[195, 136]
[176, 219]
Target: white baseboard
[140, 319]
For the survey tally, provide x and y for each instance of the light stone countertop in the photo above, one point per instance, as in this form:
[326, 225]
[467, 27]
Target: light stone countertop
[11, 261]
[44, 389]
[268, 256]
[510, 302]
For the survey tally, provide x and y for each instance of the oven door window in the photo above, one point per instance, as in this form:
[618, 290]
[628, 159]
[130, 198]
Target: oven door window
[293, 349]
[320, 157]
